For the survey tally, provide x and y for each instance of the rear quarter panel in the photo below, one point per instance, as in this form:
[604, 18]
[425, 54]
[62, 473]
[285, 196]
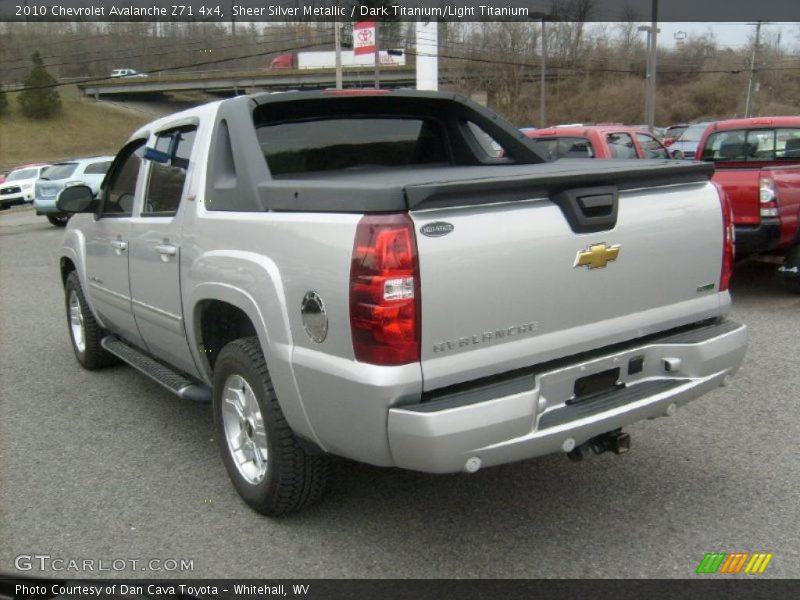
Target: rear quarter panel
[740, 181]
[787, 186]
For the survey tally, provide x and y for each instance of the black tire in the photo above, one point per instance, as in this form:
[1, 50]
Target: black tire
[294, 477]
[792, 260]
[93, 355]
[58, 220]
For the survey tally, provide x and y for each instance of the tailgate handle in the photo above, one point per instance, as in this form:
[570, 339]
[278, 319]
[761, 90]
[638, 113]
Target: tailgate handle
[596, 206]
[589, 210]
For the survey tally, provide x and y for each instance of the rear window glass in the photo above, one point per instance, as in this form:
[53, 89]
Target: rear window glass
[753, 145]
[350, 143]
[98, 168]
[60, 171]
[564, 147]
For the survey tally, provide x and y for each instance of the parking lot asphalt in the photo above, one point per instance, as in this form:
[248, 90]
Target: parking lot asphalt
[106, 465]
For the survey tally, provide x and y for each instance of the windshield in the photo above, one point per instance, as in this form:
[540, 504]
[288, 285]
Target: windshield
[693, 134]
[22, 174]
[60, 171]
[674, 132]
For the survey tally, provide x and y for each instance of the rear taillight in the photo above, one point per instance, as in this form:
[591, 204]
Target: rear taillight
[384, 291]
[767, 196]
[728, 240]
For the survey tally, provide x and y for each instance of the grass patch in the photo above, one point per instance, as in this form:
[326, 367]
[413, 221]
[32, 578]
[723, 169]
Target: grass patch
[83, 128]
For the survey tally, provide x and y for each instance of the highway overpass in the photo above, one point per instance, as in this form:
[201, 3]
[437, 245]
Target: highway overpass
[232, 83]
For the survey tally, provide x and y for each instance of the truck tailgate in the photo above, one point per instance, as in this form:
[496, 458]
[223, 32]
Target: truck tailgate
[505, 287]
[741, 185]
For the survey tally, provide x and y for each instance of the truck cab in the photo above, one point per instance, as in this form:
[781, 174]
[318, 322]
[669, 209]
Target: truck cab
[358, 274]
[597, 141]
[757, 164]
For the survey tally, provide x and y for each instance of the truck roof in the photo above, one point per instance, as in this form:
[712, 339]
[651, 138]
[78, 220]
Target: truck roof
[584, 130]
[756, 122]
[196, 112]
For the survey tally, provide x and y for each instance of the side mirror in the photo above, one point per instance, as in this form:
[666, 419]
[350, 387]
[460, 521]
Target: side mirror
[76, 199]
[676, 154]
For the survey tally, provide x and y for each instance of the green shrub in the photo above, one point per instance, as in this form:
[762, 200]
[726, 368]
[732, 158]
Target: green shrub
[39, 100]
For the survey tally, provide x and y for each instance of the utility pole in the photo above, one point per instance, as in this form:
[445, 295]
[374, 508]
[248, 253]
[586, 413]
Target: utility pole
[651, 116]
[377, 55]
[751, 86]
[542, 70]
[427, 48]
[650, 82]
[337, 39]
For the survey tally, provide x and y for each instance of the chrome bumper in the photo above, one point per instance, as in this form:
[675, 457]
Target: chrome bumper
[533, 413]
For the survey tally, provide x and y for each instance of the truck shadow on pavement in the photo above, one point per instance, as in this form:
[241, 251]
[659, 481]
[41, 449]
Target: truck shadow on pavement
[754, 279]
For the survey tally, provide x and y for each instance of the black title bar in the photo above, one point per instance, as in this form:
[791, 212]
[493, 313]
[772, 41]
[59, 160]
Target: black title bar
[701, 587]
[223, 11]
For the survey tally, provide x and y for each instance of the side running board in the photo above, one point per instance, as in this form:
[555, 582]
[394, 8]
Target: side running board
[178, 384]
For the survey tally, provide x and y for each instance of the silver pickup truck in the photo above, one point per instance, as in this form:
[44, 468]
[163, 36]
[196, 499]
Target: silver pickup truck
[363, 274]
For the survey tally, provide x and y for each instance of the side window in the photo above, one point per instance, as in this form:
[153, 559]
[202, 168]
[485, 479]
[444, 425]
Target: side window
[98, 168]
[485, 141]
[787, 144]
[651, 147]
[621, 145]
[166, 181]
[120, 186]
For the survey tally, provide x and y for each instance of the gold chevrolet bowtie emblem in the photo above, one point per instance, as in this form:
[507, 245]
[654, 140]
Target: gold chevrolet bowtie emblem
[597, 256]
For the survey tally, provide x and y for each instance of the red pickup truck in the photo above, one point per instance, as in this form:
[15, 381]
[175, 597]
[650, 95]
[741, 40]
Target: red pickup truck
[757, 165]
[597, 141]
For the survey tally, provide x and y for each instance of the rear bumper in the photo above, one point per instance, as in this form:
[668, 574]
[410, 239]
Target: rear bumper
[759, 238]
[527, 414]
[45, 206]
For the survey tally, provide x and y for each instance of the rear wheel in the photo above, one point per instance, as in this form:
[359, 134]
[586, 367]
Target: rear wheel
[58, 220]
[84, 331]
[269, 468]
[793, 260]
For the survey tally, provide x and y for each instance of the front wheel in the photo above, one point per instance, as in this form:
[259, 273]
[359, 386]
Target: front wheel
[269, 468]
[58, 220]
[84, 331]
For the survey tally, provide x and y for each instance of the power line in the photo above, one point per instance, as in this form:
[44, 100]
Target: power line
[148, 54]
[175, 68]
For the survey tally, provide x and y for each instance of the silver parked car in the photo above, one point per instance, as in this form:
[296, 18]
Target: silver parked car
[81, 171]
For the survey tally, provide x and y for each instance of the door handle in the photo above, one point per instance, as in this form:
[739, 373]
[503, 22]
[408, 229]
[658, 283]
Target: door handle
[167, 249]
[119, 246]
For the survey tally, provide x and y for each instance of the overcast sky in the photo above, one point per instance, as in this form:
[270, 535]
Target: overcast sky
[730, 34]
